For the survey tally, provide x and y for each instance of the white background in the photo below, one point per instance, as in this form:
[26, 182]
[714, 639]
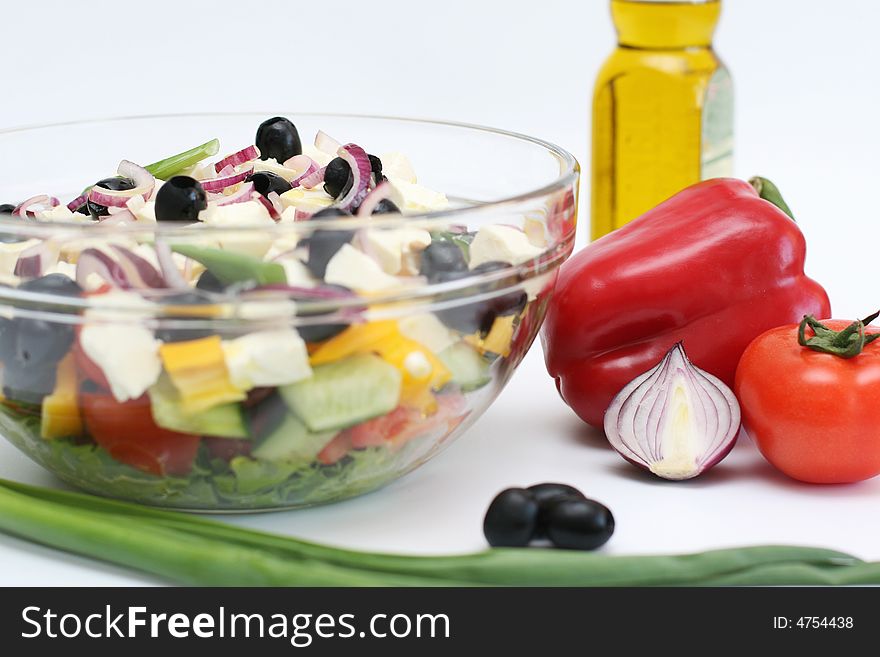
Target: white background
[806, 76]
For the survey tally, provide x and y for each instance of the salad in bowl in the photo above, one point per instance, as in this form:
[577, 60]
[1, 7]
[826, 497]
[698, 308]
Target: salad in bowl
[285, 320]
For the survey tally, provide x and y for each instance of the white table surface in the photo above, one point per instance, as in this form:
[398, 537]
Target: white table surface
[807, 97]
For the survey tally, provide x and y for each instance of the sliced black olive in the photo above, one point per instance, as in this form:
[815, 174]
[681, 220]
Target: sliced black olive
[267, 181]
[278, 138]
[116, 184]
[181, 198]
[511, 518]
[579, 524]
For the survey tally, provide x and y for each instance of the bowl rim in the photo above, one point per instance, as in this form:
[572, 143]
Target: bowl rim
[569, 174]
[556, 251]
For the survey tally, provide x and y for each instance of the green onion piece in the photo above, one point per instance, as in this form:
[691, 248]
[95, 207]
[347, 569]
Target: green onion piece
[164, 169]
[196, 551]
[231, 267]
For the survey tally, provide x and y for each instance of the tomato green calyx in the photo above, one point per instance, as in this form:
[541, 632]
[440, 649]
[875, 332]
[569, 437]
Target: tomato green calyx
[847, 343]
[770, 192]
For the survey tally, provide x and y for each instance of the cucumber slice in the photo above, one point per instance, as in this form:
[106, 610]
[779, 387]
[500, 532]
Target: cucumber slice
[292, 441]
[221, 421]
[469, 369]
[345, 392]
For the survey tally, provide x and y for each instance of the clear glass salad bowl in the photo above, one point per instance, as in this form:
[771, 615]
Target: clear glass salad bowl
[267, 392]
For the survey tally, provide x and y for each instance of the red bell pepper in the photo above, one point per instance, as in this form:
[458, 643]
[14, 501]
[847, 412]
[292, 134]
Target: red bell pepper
[715, 266]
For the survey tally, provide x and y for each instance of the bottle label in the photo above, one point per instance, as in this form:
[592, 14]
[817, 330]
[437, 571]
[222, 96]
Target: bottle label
[716, 156]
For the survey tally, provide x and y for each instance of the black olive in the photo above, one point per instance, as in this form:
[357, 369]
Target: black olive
[439, 257]
[507, 304]
[323, 245]
[511, 518]
[27, 383]
[177, 306]
[8, 339]
[7, 208]
[53, 284]
[579, 524]
[181, 198]
[386, 206]
[266, 182]
[336, 175]
[116, 184]
[278, 138]
[83, 209]
[321, 332]
[330, 213]
[210, 283]
[547, 495]
[40, 344]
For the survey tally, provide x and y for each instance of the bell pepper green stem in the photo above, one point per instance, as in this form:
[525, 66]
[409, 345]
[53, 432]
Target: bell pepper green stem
[770, 192]
[164, 169]
[848, 343]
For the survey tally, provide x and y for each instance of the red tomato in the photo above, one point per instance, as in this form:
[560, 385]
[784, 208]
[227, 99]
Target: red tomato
[813, 415]
[127, 431]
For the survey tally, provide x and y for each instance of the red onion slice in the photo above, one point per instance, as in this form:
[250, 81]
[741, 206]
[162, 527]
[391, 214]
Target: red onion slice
[143, 180]
[313, 179]
[675, 420]
[242, 156]
[138, 270]
[95, 261]
[172, 275]
[272, 203]
[305, 165]
[326, 143]
[78, 202]
[35, 260]
[380, 193]
[224, 181]
[361, 169]
[240, 195]
[23, 209]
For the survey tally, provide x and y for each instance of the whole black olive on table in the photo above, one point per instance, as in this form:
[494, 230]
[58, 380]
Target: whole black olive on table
[511, 518]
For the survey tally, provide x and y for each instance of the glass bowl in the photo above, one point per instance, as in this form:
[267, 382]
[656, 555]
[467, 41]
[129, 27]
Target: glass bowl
[146, 394]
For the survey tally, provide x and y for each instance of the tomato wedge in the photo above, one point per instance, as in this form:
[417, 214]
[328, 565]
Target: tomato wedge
[129, 434]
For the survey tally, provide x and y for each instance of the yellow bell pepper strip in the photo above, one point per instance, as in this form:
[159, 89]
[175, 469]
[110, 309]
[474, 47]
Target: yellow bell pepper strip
[198, 370]
[422, 371]
[61, 417]
[498, 339]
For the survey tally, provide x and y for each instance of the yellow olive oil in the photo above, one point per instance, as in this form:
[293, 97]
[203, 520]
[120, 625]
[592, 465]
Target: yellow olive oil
[662, 109]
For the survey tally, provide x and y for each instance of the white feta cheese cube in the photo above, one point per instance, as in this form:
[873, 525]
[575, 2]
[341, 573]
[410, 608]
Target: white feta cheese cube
[502, 243]
[390, 247]
[266, 358]
[357, 271]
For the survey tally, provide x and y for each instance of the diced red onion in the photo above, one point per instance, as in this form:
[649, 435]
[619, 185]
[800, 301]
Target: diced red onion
[675, 420]
[380, 193]
[313, 179]
[241, 194]
[224, 181]
[172, 275]
[272, 203]
[35, 260]
[78, 202]
[326, 143]
[361, 169]
[138, 270]
[242, 156]
[95, 261]
[23, 208]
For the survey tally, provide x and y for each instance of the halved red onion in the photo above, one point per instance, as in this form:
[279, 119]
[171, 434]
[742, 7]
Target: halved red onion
[95, 261]
[242, 156]
[78, 202]
[326, 143]
[138, 270]
[272, 203]
[675, 420]
[23, 208]
[243, 193]
[313, 179]
[35, 260]
[380, 193]
[361, 169]
[172, 275]
[224, 181]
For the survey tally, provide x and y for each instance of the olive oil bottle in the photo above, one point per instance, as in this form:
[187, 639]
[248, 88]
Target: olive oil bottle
[662, 109]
